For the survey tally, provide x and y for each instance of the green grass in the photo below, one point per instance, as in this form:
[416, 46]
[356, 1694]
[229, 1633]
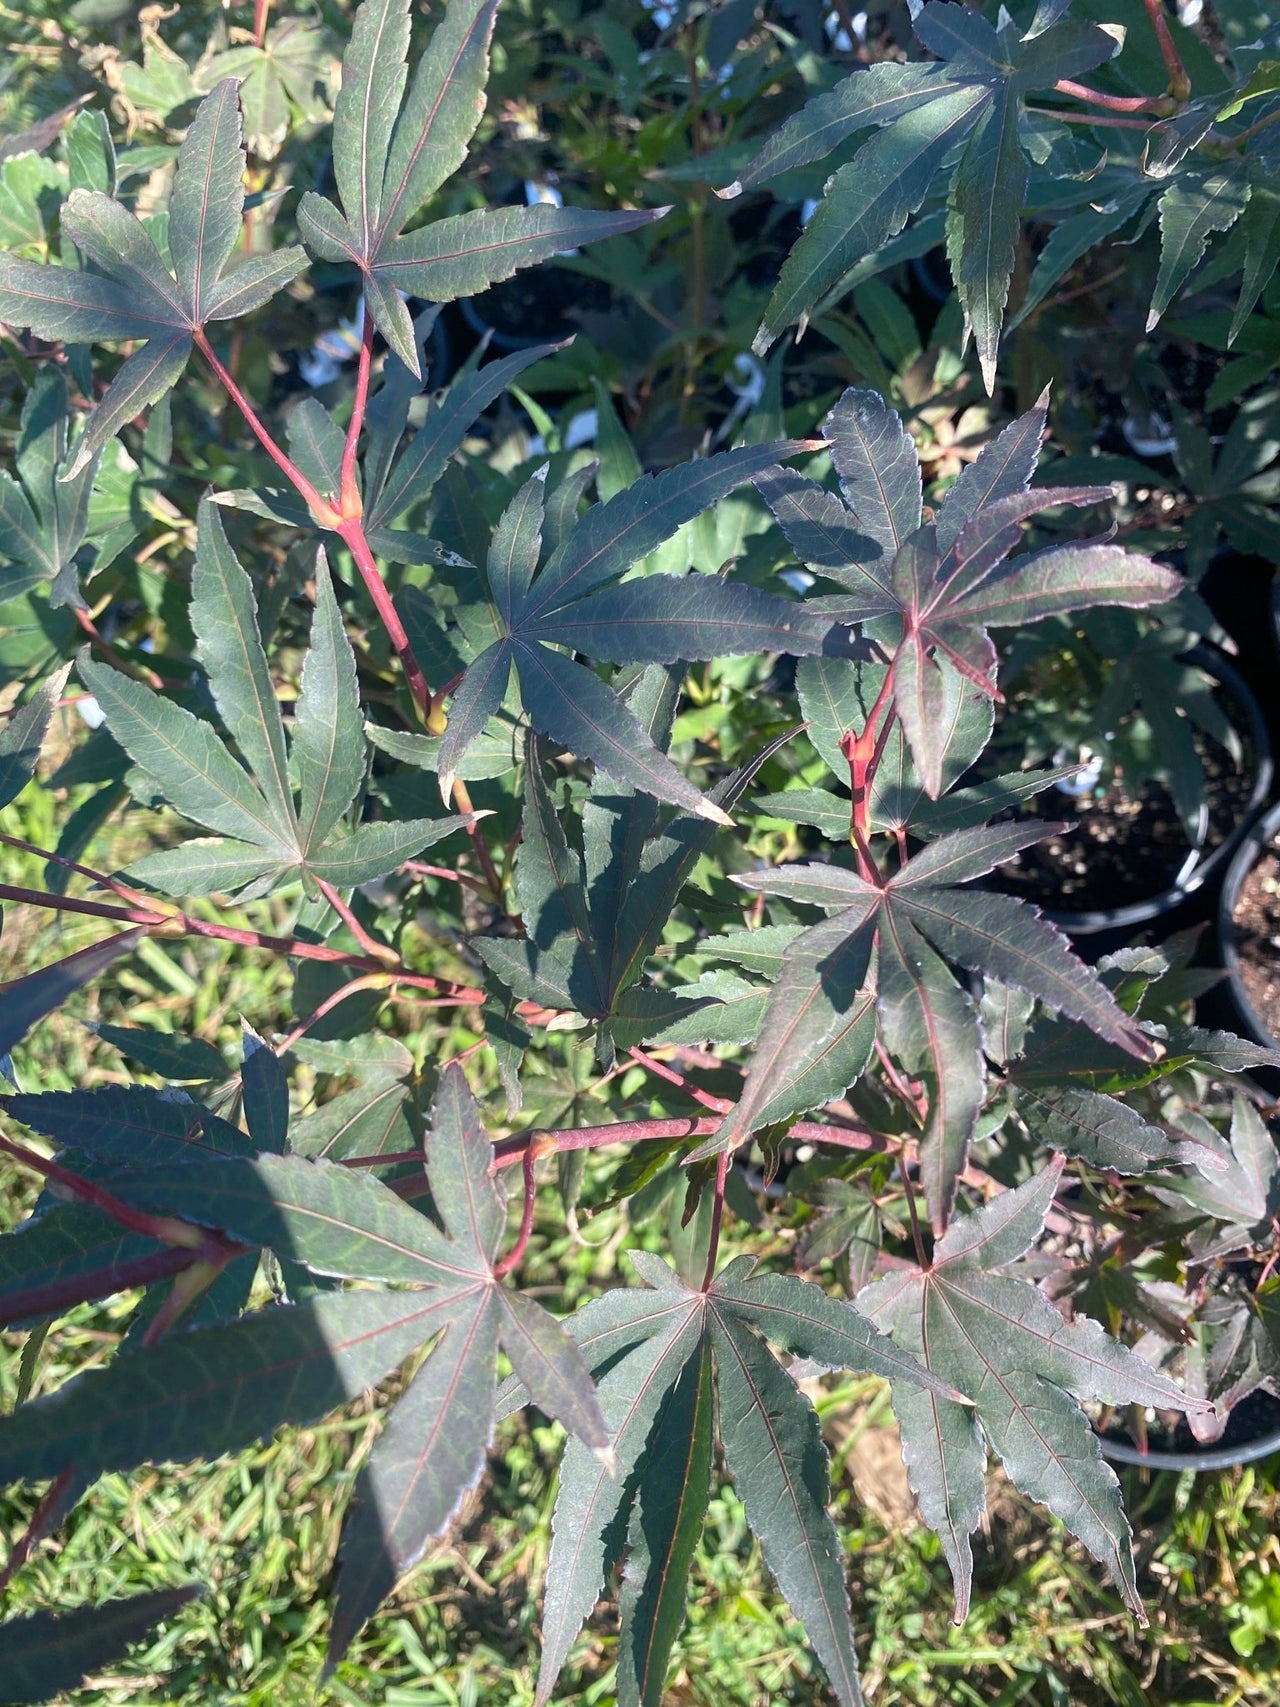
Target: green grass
[258, 1534]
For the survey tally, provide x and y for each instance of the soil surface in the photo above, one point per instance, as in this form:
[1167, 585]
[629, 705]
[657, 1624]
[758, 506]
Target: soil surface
[1257, 920]
[538, 307]
[1127, 848]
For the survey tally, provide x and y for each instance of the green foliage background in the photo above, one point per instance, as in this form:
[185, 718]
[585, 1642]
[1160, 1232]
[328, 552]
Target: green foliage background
[259, 1533]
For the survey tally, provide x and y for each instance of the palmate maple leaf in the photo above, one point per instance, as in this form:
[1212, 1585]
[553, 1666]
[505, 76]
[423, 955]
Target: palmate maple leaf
[593, 919]
[266, 833]
[654, 1352]
[392, 151]
[223, 1384]
[963, 113]
[879, 966]
[1001, 1341]
[136, 295]
[555, 584]
[931, 592]
[44, 514]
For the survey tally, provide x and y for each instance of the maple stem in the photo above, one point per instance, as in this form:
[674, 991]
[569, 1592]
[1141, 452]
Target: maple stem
[108, 651]
[383, 1160]
[916, 1235]
[352, 532]
[864, 753]
[113, 883]
[177, 924]
[69, 904]
[58, 1296]
[1179, 82]
[463, 877]
[508, 1151]
[1248, 135]
[720, 1104]
[374, 949]
[321, 509]
[462, 800]
[1115, 103]
[844, 14]
[187, 1286]
[166, 1228]
[349, 495]
[717, 1218]
[895, 1078]
[1116, 122]
[43, 1519]
[261, 11]
[518, 1249]
[374, 981]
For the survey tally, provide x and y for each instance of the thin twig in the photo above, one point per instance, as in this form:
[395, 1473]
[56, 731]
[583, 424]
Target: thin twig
[557, 1141]
[322, 511]
[462, 800]
[521, 1244]
[719, 1104]
[1116, 103]
[349, 494]
[1102, 119]
[916, 1235]
[113, 883]
[372, 947]
[418, 869]
[166, 1228]
[717, 1217]
[911, 1097]
[352, 533]
[374, 981]
[178, 924]
[1248, 135]
[1179, 82]
[108, 651]
[58, 1296]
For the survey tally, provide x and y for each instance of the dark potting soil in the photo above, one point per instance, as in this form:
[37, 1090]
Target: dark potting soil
[1126, 847]
[539, 305]
[1256, 916]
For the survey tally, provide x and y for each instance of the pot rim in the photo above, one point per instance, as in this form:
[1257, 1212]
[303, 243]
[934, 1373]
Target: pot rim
[1255, 842]
[1215, 662]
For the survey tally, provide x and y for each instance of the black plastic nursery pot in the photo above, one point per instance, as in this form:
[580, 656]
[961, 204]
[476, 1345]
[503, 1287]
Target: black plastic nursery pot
[1188, 896]
[540, 306]
[1248, 999]
[1252, 1432]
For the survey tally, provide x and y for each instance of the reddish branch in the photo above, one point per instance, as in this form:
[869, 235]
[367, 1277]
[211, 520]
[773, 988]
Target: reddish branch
[508, 1151]
[1115, 122]
[342, 513]
[717, 1218]
[1157, 105]
[101, 644]
[521, 1244]
[58, 1296]
[719, 1104]
[864, 753]
[372, 947]
[349, 494]
[323, 512]
[166, 1228]
[132, 896]
[172, 922]
[462, 800]
[1179, 82]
